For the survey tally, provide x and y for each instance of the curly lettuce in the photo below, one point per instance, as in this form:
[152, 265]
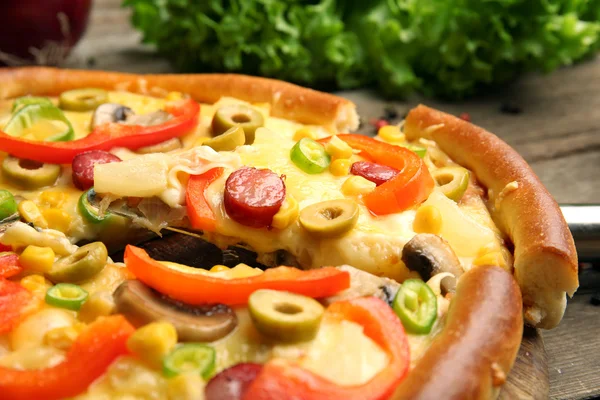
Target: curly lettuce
[450, 48]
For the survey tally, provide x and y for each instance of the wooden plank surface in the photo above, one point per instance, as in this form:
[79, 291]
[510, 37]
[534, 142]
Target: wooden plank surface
[557, 131]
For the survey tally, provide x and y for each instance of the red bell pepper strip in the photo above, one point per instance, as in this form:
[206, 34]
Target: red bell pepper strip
[4, 247]
[410, 187]
[199, 212]
[9, 265]
[281, 378]
[87, 359]
[202, 289]
[106, 136]
[14, 298]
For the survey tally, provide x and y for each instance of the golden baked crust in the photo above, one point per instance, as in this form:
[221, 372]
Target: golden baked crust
[545, 258]
[287, 100]
[475, 351]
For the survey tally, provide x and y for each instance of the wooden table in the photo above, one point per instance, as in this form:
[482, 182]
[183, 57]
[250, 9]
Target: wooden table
[557, 131]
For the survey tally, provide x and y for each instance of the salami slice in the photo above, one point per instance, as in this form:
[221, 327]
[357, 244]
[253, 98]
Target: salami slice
[83, 166]
[376, 173]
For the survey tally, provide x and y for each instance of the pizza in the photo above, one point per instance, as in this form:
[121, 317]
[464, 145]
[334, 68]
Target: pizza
[311, 263]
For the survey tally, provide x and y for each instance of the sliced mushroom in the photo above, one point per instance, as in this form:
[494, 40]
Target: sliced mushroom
[110, 112]
[150, 119]
[430, 255]
[142, 305]
[365, 284]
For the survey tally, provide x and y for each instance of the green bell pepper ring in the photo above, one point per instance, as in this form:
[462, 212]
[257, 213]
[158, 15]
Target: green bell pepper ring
[32, 113]
[88, 211]
[27, 100]
[8, 205]
[190, 357]
[416, 306]
[66, 295]
[310, 156]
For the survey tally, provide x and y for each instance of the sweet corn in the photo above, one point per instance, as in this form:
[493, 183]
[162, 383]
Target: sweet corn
[153, 341]
[356, 185]
[31, 213]
[99, 304]
[428, 219]
[53, 198]
[492, 258]
[187, 386]
[63, 337]
[219, 268]
[287, 214]
[57, 219]
[38, 259]
[391, 134]
[36, 284]
[305, 133]
[340, 167]
[337, 148]
[173, 96]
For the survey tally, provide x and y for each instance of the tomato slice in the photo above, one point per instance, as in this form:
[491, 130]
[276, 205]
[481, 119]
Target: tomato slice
[89, 357]
[194, 288]
[199, 212]
[9, 265]
[14, 298]
[280, 378]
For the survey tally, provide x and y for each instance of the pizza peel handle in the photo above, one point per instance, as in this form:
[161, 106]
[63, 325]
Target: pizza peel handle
[584, 223]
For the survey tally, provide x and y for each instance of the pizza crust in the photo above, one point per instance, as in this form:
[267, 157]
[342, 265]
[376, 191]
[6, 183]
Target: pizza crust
[545, 263]
[475, 351]
[287, 100]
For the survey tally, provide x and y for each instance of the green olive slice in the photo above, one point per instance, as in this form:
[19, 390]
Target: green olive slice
[86, 262]
[82, 99]
[453, 181]
[228, 141]
[285, 316]
[329, 218]
[162, 147]
[231, 115]
[29, 174]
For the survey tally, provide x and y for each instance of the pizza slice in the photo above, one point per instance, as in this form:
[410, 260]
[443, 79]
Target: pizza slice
[400, 249]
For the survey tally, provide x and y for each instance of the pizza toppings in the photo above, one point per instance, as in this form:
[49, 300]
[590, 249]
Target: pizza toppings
[453, 181]
[279, 378]
[411, 186]
[142, 305]
[284, 316]
[228, 141]
[83, 166]
[110, 112]
[8, 204]
[14, 299]
[87, 359]
[36, 110]
[82, 264]
[199, 212]
[190, 358]
[89, 211]
[376, 173]
[253, 196]
[430, 255]
[9, 265]
[66, 295]
[85, 99]
[106, 136]
[232, 383]
[194, 288]
[232, 115]
[329, 218]
[29, 174]
[310, 156]
[416, 306]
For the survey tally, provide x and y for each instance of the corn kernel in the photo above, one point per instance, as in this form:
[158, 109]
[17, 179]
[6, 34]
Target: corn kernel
[356, 185]
[53, 198]
[99, 304]
[173, 96]
[287, 214]
[428, 219]
[340, 167]
[337, 148]
[38, 259]
[36, 284]
[63, 337]
[391, 134]
[305, 133]
[57, 219]
[492, 258]
[31, 213]
[153, 341]
[219, 268]
[186, 386]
